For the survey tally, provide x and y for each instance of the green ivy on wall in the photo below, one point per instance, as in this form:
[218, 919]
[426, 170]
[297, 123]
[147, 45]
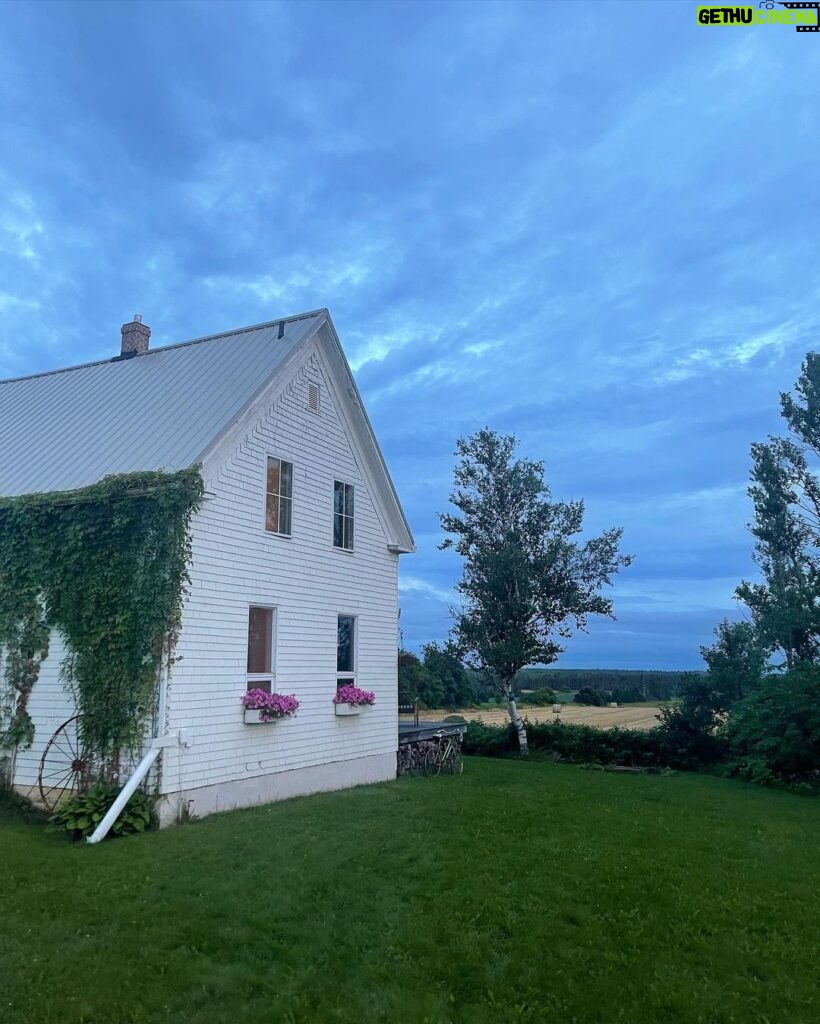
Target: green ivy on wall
[106, 566]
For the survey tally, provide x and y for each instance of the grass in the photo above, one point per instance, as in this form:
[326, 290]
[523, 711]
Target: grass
[521, 891]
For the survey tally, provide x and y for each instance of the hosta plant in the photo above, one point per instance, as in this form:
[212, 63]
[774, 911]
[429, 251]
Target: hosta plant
[81, 813]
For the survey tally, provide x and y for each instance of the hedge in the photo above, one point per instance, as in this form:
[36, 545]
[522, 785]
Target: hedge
[584, 744]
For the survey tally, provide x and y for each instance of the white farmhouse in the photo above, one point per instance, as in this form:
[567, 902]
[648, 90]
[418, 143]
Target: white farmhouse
[295, 551]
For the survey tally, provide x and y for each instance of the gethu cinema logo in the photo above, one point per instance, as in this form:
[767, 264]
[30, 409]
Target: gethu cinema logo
[803, 15]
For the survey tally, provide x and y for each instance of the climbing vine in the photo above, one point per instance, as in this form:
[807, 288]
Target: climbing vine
[105, 566]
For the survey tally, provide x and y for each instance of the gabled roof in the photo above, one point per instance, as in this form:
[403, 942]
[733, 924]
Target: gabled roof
[163, 410]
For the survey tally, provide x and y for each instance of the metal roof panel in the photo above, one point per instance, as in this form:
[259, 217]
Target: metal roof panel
[158, 410]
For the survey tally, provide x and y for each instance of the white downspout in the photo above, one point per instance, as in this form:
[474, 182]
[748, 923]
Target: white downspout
[157, 744]
[101, 831]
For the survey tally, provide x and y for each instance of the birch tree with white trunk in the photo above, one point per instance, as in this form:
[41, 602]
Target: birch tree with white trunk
[526, 584]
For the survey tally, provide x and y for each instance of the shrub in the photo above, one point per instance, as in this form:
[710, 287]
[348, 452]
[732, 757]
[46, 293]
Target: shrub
[489, 740]
[689, 737]
[594, 698]
[455, 719]
[689, 732]
[80, 814]
[539, 698]
[774, 735]
[627, 695]
[586, 744]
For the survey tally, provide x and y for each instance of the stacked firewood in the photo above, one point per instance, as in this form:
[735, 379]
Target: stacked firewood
[411, 755]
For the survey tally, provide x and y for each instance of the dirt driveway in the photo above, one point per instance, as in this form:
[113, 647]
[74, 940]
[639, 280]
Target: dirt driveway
[627, 716]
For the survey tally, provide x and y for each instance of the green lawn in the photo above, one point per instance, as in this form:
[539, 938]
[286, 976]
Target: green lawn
[520, 891]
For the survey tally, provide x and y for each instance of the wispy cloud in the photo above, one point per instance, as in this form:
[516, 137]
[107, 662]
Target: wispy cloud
[413, 585]
[772, 343]
[20, 228]
[605, 245]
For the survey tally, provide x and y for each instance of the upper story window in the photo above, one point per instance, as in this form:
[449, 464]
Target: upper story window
[346, 651]
[342, 515]
[279, 496]
[261, 648]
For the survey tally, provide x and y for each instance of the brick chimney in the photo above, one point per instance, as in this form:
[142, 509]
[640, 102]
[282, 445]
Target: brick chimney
[135, 337]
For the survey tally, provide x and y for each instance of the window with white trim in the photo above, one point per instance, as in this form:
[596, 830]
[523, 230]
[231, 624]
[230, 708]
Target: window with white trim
[279, 496]
[342, 515]
[261, 649]
[346, 651]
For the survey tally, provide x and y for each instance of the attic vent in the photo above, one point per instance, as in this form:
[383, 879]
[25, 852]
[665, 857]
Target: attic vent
[313, 397]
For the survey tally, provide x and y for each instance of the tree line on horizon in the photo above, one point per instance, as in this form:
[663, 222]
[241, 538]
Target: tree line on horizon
[645, 684]
[439, 680]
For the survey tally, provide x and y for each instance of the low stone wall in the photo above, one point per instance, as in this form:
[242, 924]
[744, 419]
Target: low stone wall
[410, 756]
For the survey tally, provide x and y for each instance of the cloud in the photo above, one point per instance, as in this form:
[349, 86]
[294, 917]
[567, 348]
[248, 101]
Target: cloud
[773, 343]
[413, 585]
[20, 228]
[602, 245]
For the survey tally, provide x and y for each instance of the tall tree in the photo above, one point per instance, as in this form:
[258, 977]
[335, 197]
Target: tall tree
[735, 661]
[526, 585]
[785, 491]
[444, 666]
[415, 681]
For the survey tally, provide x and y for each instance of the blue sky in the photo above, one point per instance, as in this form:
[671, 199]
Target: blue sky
[594, 225]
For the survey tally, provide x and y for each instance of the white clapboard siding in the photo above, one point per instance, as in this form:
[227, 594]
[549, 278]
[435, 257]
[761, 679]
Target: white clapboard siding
[49, 705]
[237, 564]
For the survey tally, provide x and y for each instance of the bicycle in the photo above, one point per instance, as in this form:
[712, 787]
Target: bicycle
[443, 755]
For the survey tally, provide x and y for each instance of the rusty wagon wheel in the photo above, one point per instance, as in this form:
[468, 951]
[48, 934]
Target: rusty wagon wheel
[65, 768]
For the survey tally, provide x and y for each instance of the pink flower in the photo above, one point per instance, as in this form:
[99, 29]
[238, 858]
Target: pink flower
[270, 705]
[353, 695]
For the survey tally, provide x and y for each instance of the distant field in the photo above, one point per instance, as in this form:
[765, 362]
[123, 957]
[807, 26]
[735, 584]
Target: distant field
[630, 716]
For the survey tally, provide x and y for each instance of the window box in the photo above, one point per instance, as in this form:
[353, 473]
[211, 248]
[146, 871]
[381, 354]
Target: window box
[261, 707]
[350, 700]
[253, 716]
[350, 709]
